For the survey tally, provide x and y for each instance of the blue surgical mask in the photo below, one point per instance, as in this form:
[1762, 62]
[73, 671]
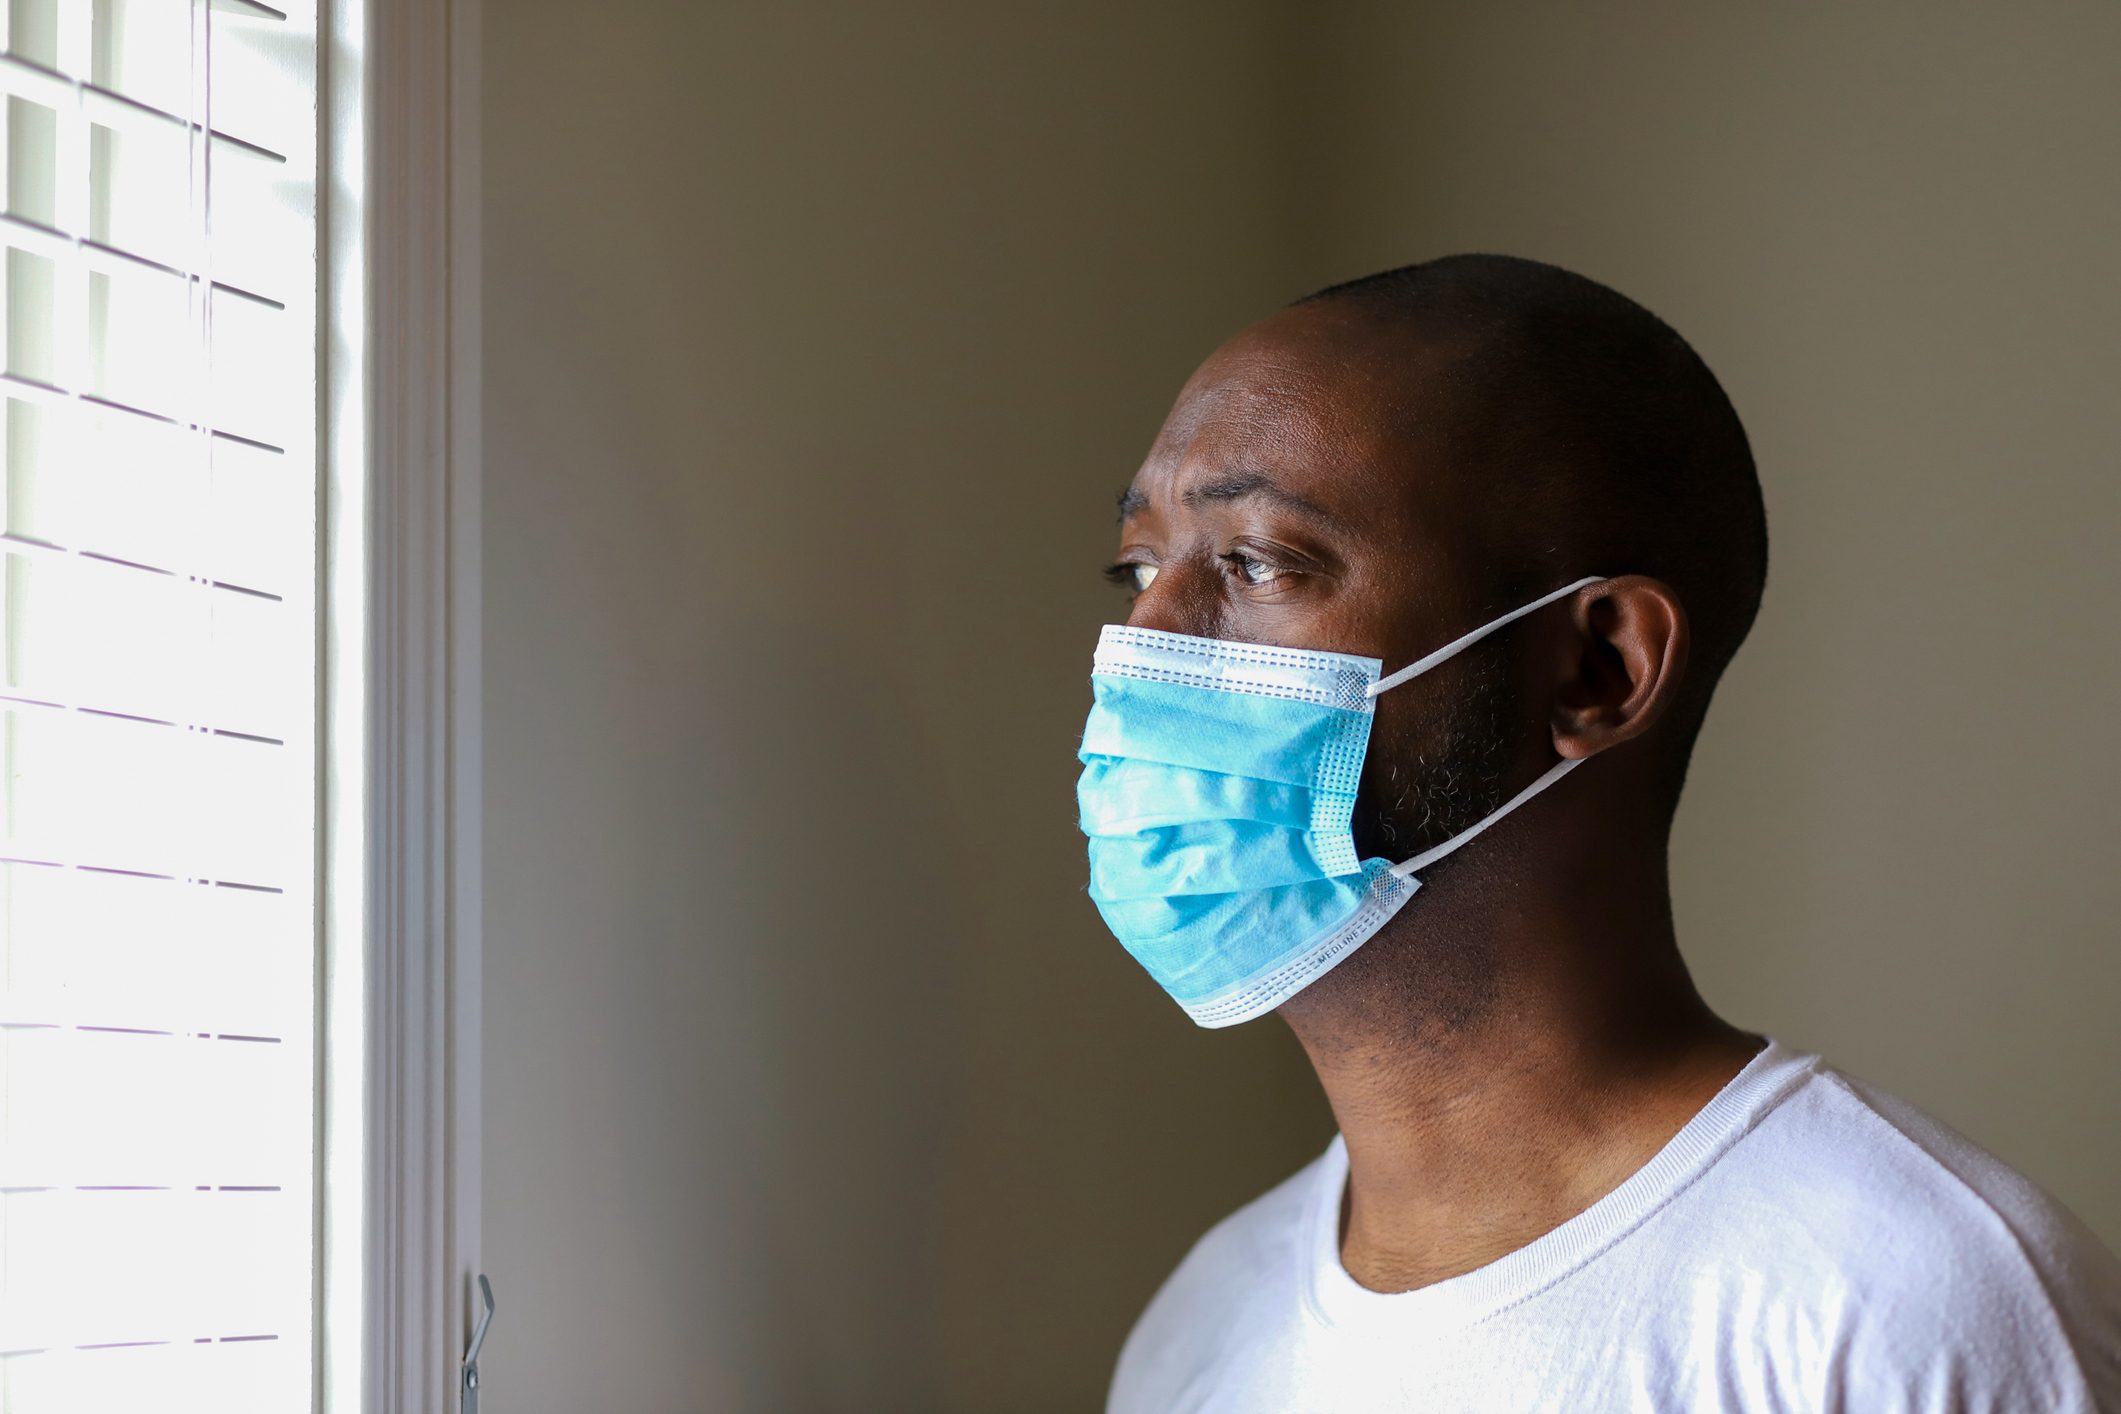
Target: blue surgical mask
[1218, 790]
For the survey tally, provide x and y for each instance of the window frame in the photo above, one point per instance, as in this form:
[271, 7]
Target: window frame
[399, 925]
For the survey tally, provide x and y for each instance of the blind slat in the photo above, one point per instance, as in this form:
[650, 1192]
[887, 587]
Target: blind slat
[167, 647]
[25, 78]
[146, 798]
[143, 1264]
[170, 1111]
[205, 1373]
[92, 948]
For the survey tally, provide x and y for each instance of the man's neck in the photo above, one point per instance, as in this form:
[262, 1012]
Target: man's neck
[1493, 1081]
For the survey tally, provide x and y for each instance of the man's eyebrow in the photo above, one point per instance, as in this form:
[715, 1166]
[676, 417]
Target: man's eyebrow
[1232, 486]
[1237, 485]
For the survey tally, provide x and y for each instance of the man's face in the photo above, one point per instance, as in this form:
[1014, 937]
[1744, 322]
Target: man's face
[1299, 495]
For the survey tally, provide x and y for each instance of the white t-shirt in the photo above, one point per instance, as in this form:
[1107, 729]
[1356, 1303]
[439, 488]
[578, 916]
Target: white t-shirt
[1804, 1243]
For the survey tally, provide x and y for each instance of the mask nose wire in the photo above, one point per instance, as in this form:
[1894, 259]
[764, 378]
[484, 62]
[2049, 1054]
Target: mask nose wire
[1458, 645]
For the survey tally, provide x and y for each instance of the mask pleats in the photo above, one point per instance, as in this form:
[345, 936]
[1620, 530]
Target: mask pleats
[1230, 733]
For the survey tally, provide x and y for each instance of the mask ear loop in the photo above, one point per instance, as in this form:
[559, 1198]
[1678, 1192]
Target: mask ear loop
[1406, 868]
[1458, 645]
[1555, 772]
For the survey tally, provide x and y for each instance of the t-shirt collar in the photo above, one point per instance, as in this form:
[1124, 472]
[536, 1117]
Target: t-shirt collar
[1338, 1300]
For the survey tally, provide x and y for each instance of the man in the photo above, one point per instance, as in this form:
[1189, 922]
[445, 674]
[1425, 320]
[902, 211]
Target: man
[1560, 1182]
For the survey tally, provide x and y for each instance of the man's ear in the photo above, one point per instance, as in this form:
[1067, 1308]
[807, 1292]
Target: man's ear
[1621, 663]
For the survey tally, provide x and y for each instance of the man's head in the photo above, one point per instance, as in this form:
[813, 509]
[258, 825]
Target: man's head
[1392, 461]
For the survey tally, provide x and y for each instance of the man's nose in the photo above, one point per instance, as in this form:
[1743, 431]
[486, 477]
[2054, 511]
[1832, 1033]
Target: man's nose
[1185, 597]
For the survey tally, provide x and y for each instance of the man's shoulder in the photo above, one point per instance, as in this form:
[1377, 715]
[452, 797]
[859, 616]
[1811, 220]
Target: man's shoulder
[1914, 1234]
[1254, 1247]
[1243, 1271]
[1846, 1159]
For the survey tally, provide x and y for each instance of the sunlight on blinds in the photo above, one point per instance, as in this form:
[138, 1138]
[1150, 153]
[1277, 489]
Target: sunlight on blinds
[158, 718]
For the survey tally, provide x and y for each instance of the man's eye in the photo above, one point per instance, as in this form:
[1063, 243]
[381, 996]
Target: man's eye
[1131, 577]
[1254, 571]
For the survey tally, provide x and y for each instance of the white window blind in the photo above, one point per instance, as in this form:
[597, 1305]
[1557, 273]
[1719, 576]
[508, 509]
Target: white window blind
[158, 861]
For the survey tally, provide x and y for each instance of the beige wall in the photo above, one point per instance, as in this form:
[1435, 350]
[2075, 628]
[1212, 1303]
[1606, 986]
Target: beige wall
[817, 343]
[817, 348]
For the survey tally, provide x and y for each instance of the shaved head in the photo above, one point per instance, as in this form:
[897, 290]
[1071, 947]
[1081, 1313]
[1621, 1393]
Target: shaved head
[1598, 440]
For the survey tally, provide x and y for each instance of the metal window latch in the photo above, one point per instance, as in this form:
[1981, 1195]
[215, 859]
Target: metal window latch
[470, 1367]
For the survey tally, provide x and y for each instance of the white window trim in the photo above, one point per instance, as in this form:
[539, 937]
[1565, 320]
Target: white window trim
[400, 339]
